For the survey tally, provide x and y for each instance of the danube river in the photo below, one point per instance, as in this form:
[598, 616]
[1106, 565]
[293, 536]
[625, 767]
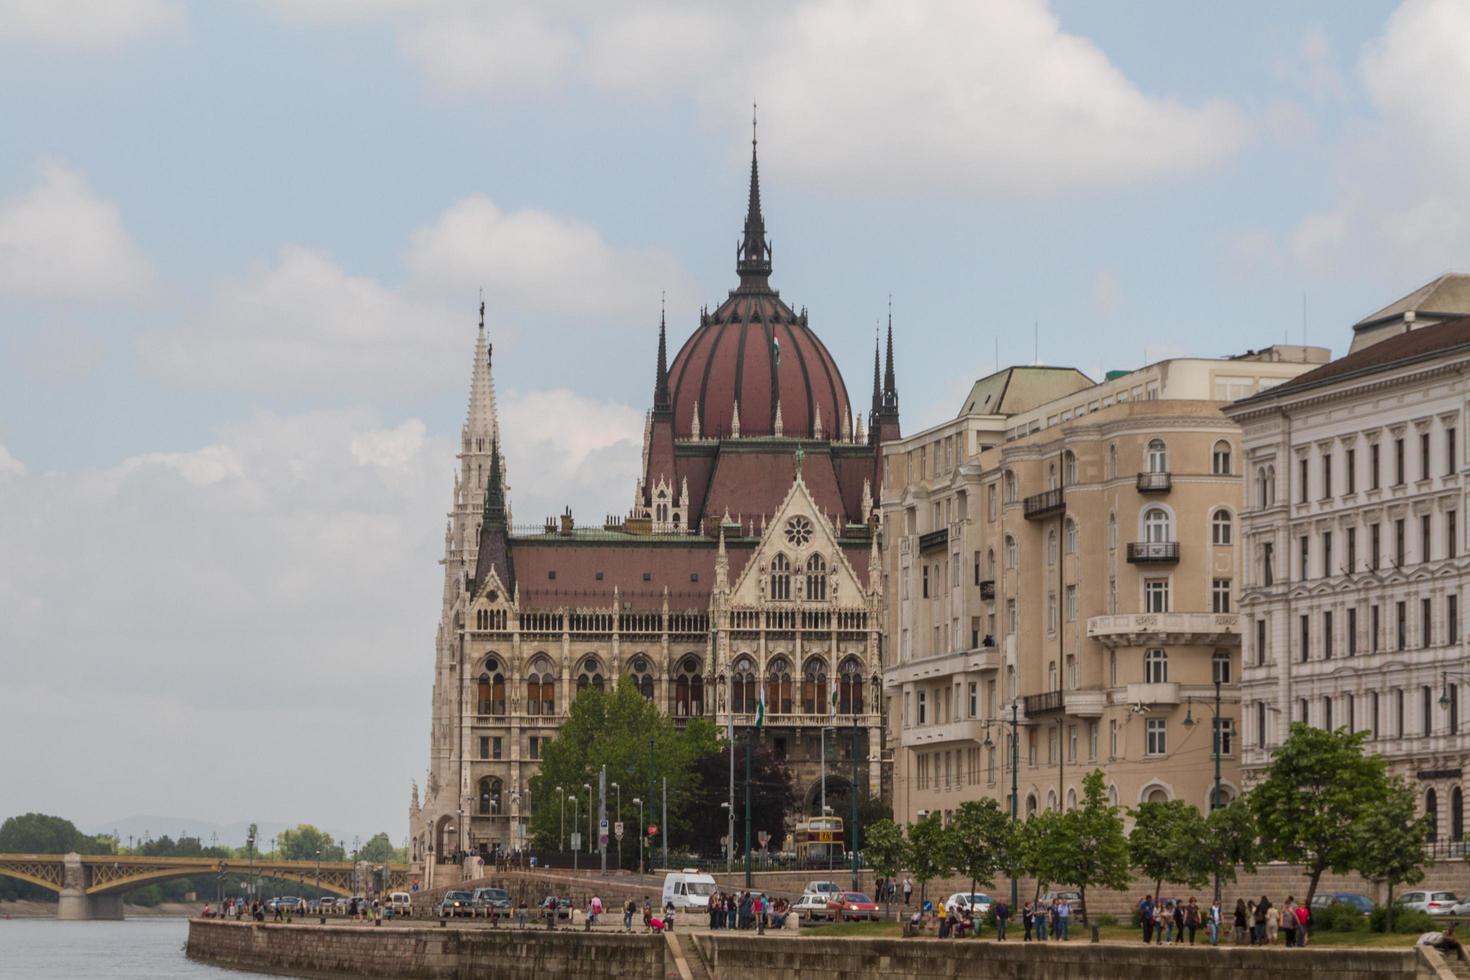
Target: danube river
[135, 949]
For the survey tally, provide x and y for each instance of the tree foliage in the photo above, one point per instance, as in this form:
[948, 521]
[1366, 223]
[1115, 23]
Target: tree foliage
[302, 842]
[1317, 790]
[981, 837]
[640, 747]
[885, 848]
[40, 833]
[771, 797]
[1164, 844]
[1090, 843]
[1388, 838]
[1038, 851]
[930, 851]
[378, 849]
[1230, 840]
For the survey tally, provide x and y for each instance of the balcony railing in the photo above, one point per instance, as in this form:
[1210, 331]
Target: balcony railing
[934, 540]
[1044, 504]
[1041, 704]
[1150, 552]
[987, 589]
[1154, 483]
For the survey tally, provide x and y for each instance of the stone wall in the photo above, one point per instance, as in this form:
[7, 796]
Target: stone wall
[738, 958]
[425, 952]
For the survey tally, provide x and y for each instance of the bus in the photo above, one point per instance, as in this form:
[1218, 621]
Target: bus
[818, 840]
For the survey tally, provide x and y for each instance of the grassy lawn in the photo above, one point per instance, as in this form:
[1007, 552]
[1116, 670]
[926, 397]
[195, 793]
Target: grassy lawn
[1110, 934]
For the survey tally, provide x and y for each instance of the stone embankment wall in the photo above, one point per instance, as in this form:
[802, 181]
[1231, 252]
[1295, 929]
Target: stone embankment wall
[738, 958]
[425, 952]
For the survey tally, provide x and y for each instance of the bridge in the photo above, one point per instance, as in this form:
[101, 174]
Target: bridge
[91, 886]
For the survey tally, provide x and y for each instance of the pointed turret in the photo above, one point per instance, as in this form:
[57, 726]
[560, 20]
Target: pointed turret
[735, 422]
[481, 423]
[662, 400]
[494, 551]
[890, 389]
[753, 257]
[877, 383]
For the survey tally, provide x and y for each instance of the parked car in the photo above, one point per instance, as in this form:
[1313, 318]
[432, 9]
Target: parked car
[1074, 899]
[1435, 903]
[1463, 909]
[400, 904]
[1362, 903]
[976, 902]
[562, 904]
[811, 907]
[492, 902]
[455, 903]
[688, 889]
[342, 905]
[287, 903]
[851, 907]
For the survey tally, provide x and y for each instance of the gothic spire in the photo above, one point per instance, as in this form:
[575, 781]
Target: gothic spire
[890, 388]
[662, 400]
[494, 489]
[877, 388]
[481, 420]
[753, 257]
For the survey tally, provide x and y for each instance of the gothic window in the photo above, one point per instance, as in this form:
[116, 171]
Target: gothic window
[778, 687]
[798, 532]
[491, 689]
[1051, 547]
[742, 687]
[541, 689]
[688, 689]
[850, 687]
[814, 688]
[816, 578]
[780, 578]
[641, 671]
[590, 676]
[490, 790]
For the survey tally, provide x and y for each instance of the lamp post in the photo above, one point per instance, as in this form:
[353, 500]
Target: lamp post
[318, 869]
[730, 840]
[575, 820]
[619, 791]
[1189, 722]
[856, 837]
[590, 814]
[561, 839]
[250, 847]
[748, 737]
[638, 801]
[1015, 791]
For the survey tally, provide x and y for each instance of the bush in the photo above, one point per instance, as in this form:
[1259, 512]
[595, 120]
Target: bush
[1404, 920]
[1106, 920]
[1339, 917]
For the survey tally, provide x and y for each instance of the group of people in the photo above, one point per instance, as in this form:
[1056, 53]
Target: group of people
[1051, 918]
[236, 908]
[1259, 923]
[747, 910]
[1167, 922]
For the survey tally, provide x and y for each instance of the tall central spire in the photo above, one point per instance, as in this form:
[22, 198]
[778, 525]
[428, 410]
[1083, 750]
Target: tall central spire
[753, 258]
[662, 400]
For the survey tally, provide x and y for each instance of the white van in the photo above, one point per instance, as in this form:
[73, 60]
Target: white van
[688, 889]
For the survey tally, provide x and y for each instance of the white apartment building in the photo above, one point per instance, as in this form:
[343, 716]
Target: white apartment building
[1354, 534]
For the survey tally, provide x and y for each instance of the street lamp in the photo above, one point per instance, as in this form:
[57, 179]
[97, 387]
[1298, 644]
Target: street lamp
[561, 840]
[1189, 722]
[619, 790]
[318, 869]
[575, 820]
[590, 813]
[638, 801]
[1015, 789]
[250, 846]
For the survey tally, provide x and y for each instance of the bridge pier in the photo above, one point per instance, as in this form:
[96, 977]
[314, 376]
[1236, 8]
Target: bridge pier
[75, 904]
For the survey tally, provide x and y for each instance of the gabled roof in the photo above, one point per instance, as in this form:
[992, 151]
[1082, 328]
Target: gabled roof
[1019, 389]
[1420, 344]
[1447, 296]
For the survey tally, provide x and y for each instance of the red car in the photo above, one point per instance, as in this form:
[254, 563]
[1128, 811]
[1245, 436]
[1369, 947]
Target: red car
[852, 907]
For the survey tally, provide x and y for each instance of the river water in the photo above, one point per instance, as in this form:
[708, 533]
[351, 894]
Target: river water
[136, 949]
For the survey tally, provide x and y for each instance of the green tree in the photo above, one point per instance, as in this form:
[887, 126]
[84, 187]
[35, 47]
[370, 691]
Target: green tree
[1039, 850]
[982, 837]
[1229, 840]
[1164, 844]
[1090, 842]
[885, 849]
[640, 747]
[930, 851]
[302, 842]
[379, 850]
[771, 798]
[1389, 841]
[40, 833]
[1317, 789]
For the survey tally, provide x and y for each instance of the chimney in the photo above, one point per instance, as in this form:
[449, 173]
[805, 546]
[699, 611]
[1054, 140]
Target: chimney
[566, 523]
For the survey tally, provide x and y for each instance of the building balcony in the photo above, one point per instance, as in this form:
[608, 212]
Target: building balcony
[987, 588]
[934, 540]
[1154, 483]
[1152, 552]
[1048, 503]
[1085, 704]
[920, 736]
[1042, 704]
[1165, 629]
[1151, 697]
[973, 661]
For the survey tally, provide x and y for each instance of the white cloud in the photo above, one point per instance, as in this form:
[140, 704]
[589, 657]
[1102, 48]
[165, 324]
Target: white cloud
[9, 465]
[389, 448]
[1107, 292]
[86, 23]
[544, 262]
[305, 326]
[565, 449]
[60, 240]
[991, 97]
[58, 352]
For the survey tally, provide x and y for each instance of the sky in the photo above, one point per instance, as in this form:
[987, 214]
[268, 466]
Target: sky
[242, 245]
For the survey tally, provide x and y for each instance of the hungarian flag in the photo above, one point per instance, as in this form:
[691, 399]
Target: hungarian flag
[760, 707]
[776, 351]
[834, 695]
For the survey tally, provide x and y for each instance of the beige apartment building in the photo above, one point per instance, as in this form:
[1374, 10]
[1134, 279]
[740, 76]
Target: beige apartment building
[1062, 565]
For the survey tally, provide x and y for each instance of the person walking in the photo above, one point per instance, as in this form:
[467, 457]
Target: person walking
[908, 891]
[1064, 919]
[1212, 921]
[1169, 913]
[594, 909]
[1002, 916]
[1239, 923]
[629, 907]
[1146, 918]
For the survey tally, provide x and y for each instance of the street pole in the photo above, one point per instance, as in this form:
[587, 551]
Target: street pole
[747, 810]
[1215, 800]
[602, 815]
[576, 820]
[823, 810]
[619, 790]
[666, 821]
[1015, 793]
[590, 815]
[638, 801]
[561, 840]
[855, 837]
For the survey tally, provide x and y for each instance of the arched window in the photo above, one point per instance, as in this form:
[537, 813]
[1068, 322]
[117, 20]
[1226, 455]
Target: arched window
[1156, 795]
[1112, 460]
[1220, 459]
[1112, 796]
[1030, 804]
[491, 694]
[489, 796]
[814, 689]
[641, 670]
[778, 687]
[1156, 667]
[816, 579]
[1069, 468]
[742, 687]
[541, 689]
[780, 577]
[990, 563]
[590, 675]
[1009, 483]
[1069, 542]
[850, 687]
[1158, 456]
[1270, 487]
[1158, 526]
[1071, 798]
[1222, 528]
[1431, 811]
[1051, 547]
[1051, 799]
[688, 689]
[1011, 553]
[1457, 815]
[1262, 500]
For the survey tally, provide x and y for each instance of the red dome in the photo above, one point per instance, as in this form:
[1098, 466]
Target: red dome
[732, 358]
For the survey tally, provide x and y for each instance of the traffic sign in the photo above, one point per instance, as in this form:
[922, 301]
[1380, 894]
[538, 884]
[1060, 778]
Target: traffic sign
[618, 830]
[653, 830]
[602, 833]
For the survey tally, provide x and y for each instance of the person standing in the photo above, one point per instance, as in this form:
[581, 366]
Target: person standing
[908, 891]
[1043, 912]
[1212, 920]
[629, 907]
[1064, 919]
[1146, 918]
[1002, 916]
[1304, 923]
[1262, 907]
[1191, 918]
[1284, 919]
[1239, 923]
[1026, 920]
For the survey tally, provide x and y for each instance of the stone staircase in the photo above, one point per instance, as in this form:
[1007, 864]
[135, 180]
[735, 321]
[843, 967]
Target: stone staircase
[687, 959]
